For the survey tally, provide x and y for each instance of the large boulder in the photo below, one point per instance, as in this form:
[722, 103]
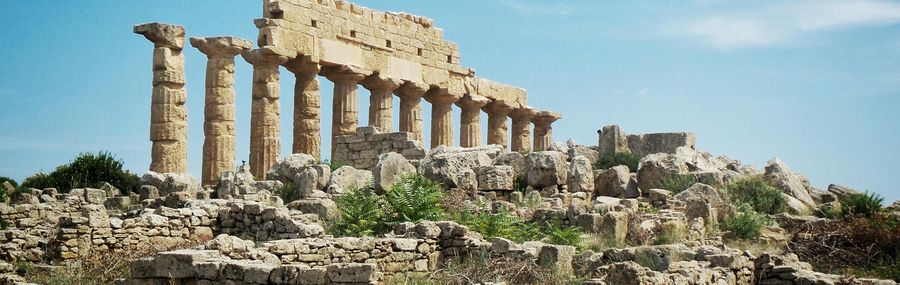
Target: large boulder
[514, 159]
[780, 175]
[657, 167]
[168, 183]
[495, 177]
[616, 182]
[293, 168]
[391, 167]
[841, 192]
[447, 165]
[579, 150]
[547, 168]
[581, 175]
[347, 178]
[704, 201]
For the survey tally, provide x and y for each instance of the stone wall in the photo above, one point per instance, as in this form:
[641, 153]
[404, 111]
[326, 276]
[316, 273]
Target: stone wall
[362, 149]
[613, 139]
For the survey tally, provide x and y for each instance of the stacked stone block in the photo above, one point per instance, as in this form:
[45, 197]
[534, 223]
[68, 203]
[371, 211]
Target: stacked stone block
[362, 149]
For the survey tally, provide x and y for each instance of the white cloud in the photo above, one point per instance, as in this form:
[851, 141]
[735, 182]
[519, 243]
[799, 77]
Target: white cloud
[558, 8]
[783, 24]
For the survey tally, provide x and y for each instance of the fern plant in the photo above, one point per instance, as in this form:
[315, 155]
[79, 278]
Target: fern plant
[866, 205]
[360, 213]
[500, 224]
[415, 198]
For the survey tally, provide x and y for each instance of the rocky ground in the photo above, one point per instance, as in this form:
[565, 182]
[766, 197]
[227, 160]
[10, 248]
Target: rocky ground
[574, 214]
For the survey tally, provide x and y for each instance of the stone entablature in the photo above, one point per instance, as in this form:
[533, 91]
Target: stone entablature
[613, 139]
[361, 150]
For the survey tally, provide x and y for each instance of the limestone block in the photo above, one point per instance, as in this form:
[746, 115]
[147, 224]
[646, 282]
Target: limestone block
[783, 178]
[616, 182]
[351, 273]
[347, 178]
[446, 167]
[391, 167]
[495, 177]
[547, 168]
[581, 175]
[163, 35]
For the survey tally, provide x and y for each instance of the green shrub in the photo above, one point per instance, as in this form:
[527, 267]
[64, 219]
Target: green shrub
[866, 205]
[562, 236]
[827, 211]
[760, 195]
[745, 223]
[415, 198]
[10, 180]
[611, 159]
[500, 224]
[677, 183]
[86, 170]
[360, 214]
[287, 192]
[334, 165]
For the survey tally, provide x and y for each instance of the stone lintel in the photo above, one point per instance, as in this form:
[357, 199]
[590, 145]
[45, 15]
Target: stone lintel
[162, 35]
[221, 46]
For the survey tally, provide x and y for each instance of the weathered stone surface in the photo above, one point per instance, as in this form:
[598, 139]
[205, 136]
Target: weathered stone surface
[581, 175]
[390, 169]
[495, 177]
[780, 176]
[363, 149]
[168, 183]
[588, 152]
[265, 127]
[616, 182]
[518, 162]
[470, 119]
[447, 165]
[842, 192]
[543, 131]
[558, 258]
[521, 129]
[547, 168]
[346, 178]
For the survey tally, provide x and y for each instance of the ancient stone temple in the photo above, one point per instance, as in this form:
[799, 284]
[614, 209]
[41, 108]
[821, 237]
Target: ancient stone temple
[389, 54]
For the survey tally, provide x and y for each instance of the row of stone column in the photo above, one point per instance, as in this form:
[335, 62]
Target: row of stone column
[169, 116]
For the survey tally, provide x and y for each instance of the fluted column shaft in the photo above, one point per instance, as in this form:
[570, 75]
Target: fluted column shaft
[265, 129]
[441, 116]
[345, 112]
[219, 111]
[168, 114]
[381, 101]
[470, 120]
[411, 113]
[307, 109]
[543, 129]
[521, 129]
[498, 129]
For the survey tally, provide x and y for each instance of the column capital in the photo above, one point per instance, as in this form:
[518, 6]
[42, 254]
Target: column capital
[380, 82]
[303, 65]
[441, 96]
[524, 113]
[471, 101]
[498, 107]
[162, 35]
[267, 56]
[411, 90]
[225, 47]
[545, 118]
[345, 73]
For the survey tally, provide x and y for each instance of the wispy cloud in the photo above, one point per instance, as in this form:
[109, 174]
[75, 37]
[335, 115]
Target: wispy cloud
[538, 8]
[783, 23]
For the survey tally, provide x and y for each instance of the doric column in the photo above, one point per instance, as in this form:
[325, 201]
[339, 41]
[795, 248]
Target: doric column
[470, 119]
[411, 114]
[307, 107]
[441, 115]
[218, 122]
[543, 131]
[521, 128]
[345, 112]
[498, 115]
[265, 131]
[381, 103]
[168, 115]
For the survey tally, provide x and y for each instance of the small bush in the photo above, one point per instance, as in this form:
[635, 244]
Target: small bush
[334, 165]
[677, 183]
[612, 159]
[10, 180]
[760, 195]
[598, 242]
[669, 236]
[360, 214]
[415, 198]
[745, 223]
[866, 205]
[86, 170]
[287, 193]
[500, 224]
[827, 211]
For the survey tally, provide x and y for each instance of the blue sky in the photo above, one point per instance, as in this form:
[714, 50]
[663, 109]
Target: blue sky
[815, 83]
